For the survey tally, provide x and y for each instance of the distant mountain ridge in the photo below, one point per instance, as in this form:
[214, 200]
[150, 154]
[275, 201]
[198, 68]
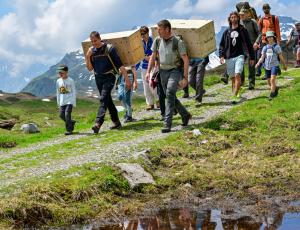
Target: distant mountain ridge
[44, 84]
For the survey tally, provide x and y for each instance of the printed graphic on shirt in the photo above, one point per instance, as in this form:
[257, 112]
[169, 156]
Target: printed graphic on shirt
[234, 35]
[64, 90]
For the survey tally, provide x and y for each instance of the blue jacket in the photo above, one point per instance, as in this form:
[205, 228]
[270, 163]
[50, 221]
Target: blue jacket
[147, 51]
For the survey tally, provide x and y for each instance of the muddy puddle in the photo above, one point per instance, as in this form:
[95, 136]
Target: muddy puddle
[185, 219]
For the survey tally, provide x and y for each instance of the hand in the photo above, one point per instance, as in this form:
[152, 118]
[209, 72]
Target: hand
[252, 62]
[222, 61]
[183, 83]
[135, 85]
[128, 84]
[257, 65]
[147, 77]
[255, 46]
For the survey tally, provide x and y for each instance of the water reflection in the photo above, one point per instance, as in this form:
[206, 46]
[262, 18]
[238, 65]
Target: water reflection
[184, 219]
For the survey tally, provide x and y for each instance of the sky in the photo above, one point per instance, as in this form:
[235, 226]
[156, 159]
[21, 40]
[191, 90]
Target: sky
[42, 31]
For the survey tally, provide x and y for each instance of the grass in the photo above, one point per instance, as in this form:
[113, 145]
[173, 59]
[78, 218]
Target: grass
[248, 152]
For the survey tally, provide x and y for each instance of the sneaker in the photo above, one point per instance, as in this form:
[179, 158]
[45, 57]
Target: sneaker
[117, 125]
[129, 119]
[185, 120]
[240, 93]
[186, 95]
[175, 112]
[264, 78]
[276, 91]
[166, 129]
[150, 107]
[235, 99]
[68, 133]
[96, 128]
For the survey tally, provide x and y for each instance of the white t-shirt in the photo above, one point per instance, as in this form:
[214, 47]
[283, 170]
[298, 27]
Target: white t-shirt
[65, 92]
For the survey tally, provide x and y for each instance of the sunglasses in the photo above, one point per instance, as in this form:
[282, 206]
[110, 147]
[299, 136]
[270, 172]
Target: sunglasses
[143, 34]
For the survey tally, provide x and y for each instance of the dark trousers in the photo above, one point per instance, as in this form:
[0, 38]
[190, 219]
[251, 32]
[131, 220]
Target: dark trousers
[170, 80]
[196, 77]
[161, 97]
[65, 113]
[251, 72]
[105, 84]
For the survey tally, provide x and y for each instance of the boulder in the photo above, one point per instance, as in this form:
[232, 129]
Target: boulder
[30, 128]
[7, 124]
[135, 174]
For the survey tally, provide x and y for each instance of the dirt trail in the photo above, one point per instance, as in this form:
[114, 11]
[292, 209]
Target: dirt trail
[124, 150]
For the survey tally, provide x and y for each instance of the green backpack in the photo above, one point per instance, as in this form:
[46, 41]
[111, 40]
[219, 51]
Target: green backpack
[175, 43]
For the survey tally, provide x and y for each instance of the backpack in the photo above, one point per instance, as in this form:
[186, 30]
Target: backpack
[247, 6]
[175, 43]
[274, 52]
[272, 21]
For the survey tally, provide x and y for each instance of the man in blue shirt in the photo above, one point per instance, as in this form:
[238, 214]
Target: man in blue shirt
[103, 59]
[150, 93]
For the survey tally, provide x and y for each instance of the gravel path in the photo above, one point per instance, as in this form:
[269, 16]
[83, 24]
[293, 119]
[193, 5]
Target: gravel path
[117, 152]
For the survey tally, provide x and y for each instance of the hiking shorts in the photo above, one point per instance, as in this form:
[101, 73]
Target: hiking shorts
[272, 72]
[235, 65]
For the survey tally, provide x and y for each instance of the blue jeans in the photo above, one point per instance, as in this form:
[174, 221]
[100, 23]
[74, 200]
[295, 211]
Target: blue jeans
[169, 81]
[125, 95]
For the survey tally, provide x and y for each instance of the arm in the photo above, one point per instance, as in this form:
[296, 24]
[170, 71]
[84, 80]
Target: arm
[73, 93]
[57, 93]
[186, 62]
[262, 58]
[89, 65]
[125, 75]
[151, 64]
[222, 48]
[135, 83]
[258, 33]
[249, 45]
[282, 61]
[277, 30]
[258, 40]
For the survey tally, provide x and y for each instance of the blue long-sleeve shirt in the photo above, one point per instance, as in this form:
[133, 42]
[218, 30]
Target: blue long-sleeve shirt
[147, 52]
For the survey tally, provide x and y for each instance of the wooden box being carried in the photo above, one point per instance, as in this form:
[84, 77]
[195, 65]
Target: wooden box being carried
[128, 45]
[198, 35]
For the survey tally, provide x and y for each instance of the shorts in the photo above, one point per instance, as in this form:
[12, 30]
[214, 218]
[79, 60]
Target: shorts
[272, 72]
[235, 65]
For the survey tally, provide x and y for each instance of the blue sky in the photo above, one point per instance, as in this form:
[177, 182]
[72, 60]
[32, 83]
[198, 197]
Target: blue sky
[42, 31]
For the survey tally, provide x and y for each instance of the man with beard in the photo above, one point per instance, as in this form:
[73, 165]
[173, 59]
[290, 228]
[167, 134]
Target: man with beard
[235, 40]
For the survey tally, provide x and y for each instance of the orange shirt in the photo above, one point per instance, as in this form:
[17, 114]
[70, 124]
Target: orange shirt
[266, 23]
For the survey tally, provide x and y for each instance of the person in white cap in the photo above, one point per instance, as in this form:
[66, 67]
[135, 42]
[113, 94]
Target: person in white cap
[271, 54]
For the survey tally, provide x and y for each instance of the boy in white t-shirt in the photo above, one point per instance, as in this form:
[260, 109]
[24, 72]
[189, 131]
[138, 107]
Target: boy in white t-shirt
[66, 97]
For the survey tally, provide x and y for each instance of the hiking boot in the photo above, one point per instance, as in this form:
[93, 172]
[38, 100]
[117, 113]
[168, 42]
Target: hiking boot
[73, 124]
[157, 105]
[129, 119]
[272, 96]
[276, 91]
[251, 87]
[224, 80]
[96, 128]
[166, 129]
[117, 125]
[235, 99]
[186, 95]
[150, 107]
[175, 112]
[68, 133]
[185, 120]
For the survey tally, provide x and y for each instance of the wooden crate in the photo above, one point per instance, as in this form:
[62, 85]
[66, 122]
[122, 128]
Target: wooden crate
[198, 35]
[128, 44]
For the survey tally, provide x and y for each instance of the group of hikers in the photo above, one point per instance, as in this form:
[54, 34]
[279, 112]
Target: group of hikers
[166, 68]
